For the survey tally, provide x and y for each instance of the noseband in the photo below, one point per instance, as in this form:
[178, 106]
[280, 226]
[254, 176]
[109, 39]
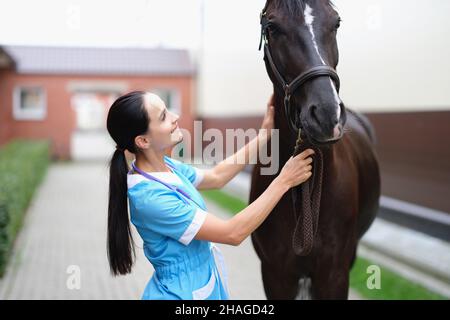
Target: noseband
[289, 88]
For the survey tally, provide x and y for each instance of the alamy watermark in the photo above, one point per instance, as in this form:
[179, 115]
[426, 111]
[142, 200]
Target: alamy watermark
[222, 146]
[73, 281]
[374, 280]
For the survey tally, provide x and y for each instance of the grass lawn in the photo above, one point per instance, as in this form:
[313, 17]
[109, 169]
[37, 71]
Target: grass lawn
[392, 286]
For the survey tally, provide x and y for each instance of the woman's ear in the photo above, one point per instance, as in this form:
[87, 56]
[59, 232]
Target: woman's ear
[142, 142]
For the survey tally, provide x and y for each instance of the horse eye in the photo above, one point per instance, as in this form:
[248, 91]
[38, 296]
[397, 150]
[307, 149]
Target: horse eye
[273, 29]
[338, 24]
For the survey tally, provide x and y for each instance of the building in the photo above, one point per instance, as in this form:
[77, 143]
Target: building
[63, 94]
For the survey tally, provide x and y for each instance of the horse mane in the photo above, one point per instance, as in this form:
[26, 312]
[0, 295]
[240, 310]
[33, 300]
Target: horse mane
[295, 7]
[292, 6]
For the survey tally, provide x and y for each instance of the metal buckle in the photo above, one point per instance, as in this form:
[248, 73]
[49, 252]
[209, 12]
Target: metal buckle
[287, 91]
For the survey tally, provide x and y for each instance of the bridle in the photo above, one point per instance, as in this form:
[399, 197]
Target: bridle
[306, 225]
[289, 88]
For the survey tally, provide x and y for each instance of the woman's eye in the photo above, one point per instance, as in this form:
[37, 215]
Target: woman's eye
[164, 116]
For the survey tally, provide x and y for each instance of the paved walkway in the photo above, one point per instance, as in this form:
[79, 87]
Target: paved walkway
[64, 234]
[66, 226]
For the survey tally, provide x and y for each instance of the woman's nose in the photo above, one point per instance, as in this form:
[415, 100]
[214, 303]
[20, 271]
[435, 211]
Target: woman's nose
[175, 117]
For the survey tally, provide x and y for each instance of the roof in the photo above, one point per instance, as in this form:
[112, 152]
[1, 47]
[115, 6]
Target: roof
[100, 61]
[5, 60]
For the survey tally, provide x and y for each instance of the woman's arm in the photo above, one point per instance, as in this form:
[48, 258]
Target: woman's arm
[235, 230]
[228, 168]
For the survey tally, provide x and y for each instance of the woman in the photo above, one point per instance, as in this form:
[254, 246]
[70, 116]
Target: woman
[166, 208]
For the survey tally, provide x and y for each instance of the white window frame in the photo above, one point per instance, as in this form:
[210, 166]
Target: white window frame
[175, 98]
[21, 114]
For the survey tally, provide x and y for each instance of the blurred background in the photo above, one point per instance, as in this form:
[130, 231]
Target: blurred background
[62, 64]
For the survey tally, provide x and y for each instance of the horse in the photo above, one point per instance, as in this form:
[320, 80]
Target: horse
[308, 243]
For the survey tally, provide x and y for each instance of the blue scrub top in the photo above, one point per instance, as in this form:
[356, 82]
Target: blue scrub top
[185, 268]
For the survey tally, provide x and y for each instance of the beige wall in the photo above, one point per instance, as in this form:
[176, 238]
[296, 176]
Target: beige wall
[394, 56]
[232, 77]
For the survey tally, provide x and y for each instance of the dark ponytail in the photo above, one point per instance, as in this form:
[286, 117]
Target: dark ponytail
[127, 118]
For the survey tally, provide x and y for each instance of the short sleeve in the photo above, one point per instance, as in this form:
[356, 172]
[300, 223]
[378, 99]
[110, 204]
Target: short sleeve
[164, 212]
[194, 175]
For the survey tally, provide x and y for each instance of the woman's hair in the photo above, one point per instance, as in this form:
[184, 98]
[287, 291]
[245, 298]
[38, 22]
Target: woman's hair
[127, 118]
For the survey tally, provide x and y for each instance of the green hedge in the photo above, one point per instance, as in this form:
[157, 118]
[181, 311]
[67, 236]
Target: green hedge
[23, 165]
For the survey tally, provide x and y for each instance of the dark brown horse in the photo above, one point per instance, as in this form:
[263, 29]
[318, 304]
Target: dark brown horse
[337, 205]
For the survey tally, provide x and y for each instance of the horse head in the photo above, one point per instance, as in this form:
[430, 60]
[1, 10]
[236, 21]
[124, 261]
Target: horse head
[301, 56]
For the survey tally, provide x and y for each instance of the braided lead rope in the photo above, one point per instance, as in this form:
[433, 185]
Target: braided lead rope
[307, 223]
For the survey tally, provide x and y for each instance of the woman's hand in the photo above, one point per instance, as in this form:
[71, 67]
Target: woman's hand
[268, 121]
[297, 169]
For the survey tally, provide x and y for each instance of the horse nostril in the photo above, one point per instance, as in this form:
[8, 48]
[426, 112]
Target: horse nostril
[342, 107]
[312, 112]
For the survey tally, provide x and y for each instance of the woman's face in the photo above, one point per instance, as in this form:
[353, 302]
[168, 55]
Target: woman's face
[164, 131]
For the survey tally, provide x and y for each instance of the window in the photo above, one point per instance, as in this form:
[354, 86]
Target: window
[90, 110]
[170, 97]
[29, 103]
